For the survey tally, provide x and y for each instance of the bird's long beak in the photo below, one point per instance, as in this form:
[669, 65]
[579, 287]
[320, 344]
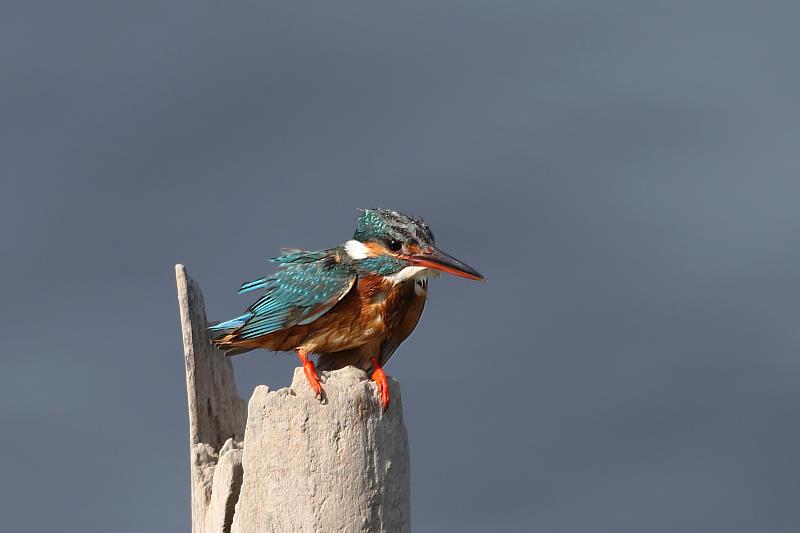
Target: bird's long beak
[438, 260]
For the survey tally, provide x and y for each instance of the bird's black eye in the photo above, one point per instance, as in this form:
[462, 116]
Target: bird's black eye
[394, 245]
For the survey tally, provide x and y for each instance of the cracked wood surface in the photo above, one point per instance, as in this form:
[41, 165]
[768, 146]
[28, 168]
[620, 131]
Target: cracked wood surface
[216, 413]
[340, 466]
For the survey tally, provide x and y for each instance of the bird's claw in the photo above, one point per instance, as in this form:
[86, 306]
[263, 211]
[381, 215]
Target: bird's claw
[379, 377]
[311, 375]
[313, 379]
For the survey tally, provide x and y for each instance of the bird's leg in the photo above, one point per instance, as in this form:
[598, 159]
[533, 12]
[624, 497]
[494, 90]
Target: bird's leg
[310, 371]
[379, 377]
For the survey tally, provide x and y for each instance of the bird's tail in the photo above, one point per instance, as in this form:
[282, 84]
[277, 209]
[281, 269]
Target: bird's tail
[228, 341]
[232, 324]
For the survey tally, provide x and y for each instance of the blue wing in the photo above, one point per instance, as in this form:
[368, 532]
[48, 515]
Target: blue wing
[308, 285]
[290, 256]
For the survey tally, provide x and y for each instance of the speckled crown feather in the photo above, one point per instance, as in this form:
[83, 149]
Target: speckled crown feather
[378, 224]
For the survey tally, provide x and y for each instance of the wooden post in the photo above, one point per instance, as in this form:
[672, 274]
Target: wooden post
[216, 416]
[288, 462]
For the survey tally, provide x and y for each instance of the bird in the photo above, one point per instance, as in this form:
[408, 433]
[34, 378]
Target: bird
[352, 304]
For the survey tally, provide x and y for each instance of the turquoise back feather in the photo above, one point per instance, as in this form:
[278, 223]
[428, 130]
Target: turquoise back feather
[308, 285]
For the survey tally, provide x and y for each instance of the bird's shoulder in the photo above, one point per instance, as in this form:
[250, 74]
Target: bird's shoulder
[314, 271]
[294, 256]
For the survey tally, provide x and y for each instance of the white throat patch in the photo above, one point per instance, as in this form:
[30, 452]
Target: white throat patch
[355, 249]
[408, 273]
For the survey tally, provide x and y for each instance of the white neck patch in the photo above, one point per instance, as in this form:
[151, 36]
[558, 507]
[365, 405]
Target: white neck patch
[356, 249]
[408, 273]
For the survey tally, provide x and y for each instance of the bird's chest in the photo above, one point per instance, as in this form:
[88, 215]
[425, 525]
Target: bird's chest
[371, 311]
[382, 305]
[391, 302]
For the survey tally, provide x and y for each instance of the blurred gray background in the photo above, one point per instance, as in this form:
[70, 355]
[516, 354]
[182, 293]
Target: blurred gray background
[624, 173]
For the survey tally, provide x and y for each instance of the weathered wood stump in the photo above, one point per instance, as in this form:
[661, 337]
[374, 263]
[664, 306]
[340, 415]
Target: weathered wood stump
[287, 462]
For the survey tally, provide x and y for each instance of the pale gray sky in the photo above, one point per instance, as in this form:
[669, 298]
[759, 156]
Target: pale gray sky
[624, 173]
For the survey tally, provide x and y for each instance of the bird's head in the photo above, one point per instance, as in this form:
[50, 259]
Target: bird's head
[392, 243]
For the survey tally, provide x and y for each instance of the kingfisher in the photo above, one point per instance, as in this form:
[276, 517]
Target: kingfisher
[348, 305]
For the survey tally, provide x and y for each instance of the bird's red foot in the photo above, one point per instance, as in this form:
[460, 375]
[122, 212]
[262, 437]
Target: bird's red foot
[311, 373]
[379, 377]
